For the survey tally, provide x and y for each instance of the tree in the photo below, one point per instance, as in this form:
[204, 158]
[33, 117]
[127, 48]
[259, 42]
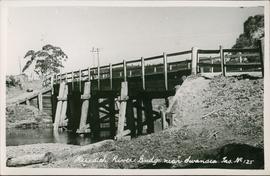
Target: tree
[253, 32]
[48, 60]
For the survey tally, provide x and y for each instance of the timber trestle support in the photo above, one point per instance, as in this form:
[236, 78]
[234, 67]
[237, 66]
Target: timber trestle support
[108, 113]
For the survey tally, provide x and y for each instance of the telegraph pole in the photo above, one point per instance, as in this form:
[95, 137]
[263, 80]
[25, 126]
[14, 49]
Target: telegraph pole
[96, 51]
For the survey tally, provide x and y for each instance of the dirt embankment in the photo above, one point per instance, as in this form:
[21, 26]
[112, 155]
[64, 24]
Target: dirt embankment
[24, 116]
[215, 118]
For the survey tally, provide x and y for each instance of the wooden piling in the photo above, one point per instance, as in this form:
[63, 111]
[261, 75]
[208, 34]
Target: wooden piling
[149, 115]
[95, 125]
[163, 118]
[83, 128]
[122, 111]
[194, 60]
[63, 121]
[139, 117]
[112, 116]
[222, 60]
[130, 118]
[59, 106]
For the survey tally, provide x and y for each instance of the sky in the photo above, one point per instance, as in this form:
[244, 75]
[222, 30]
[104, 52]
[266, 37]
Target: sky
[120, 32]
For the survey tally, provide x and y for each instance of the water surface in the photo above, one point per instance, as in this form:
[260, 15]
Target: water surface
[16, 136]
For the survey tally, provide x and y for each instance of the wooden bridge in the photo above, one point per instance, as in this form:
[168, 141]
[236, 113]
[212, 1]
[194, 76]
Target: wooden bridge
[115, 100]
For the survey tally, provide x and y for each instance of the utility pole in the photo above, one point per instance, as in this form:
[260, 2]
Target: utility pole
[97, 50]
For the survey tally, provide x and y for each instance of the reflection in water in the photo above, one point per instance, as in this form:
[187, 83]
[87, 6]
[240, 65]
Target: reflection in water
[16, 136]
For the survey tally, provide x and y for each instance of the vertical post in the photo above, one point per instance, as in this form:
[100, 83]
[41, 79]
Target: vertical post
[170, 67]
[261, 45]
[72, 79]
[56, 78]
[188, 64]
[240, 60]
[163, 118]
[201, 69]
[98, 69]
[111, 85]
[130, 118]
[222, 60]
[52, 82]
[40, 104]
[96, 119]
[139, 117]
[122, 110]
[63, 121]
[149, 115]
[212, 62]
[59, 106]
[143, 73]
[112, 116]
[89, 74]
[155, 69]
[80, 80]
[27, 102]
[85, 108]
[194, 60]
[125, 70]
[66, 78]
[165, 67]
[60, 77]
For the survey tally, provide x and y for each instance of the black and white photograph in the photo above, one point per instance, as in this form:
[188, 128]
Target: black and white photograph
[134, 87]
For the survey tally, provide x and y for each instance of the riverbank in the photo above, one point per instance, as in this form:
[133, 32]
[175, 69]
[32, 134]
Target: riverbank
[214, 118]
[26, 117]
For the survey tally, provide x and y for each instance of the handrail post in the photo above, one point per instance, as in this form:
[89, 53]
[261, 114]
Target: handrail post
[212, 62]
[60, 77]
[89, 74]
[66, 79]
[125, 70]
[240, 60]
[80, 80]
[222, 60]
[143, 73]
[72, 79]
[52, 82]
[194, 60]
[111, 86]
[165, 71]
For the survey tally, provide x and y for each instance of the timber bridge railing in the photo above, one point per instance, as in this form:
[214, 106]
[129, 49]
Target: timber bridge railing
[117, 98]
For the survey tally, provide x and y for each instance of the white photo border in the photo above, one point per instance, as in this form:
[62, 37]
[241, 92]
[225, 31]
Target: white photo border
[5, 4]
